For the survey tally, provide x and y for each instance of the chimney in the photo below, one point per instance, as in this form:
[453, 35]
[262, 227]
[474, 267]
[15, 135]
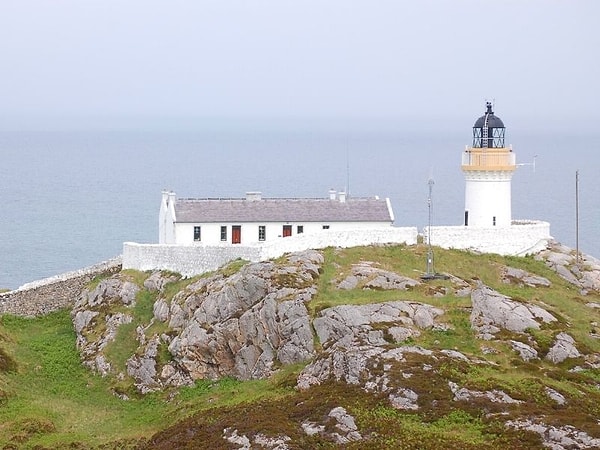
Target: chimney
[165, 196]
[342, 196]
[171, 204]
[162, 218]
[253, 196]
[332, 193]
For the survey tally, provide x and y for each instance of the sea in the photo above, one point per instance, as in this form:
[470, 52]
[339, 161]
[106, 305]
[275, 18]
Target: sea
[72, 197]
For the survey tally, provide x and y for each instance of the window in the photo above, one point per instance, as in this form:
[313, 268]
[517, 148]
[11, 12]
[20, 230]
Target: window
[262, 232]
[197, 235]
[494, 220]
[326, 227]
[300, 229]
[223, 233]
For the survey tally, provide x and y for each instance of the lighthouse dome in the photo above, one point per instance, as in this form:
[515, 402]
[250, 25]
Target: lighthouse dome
[492, 120]
[488, 131]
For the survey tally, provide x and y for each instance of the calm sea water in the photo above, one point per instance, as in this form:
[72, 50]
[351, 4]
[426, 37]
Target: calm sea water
[70, 199]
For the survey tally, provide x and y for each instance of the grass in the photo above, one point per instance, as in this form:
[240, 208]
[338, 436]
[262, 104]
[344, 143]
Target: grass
[53, 401]
[49, 400]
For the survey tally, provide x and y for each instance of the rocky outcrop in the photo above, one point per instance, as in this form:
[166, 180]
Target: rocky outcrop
[493, 312]
[495, 396]
[583, 272]
[563, 348]
[557, 438]
[365, 276]
[257, 441]
[244, 325]
[521, 277]
[526, 352]
[349, 324]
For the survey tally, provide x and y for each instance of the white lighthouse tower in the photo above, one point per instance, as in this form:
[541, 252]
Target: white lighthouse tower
[488, 167]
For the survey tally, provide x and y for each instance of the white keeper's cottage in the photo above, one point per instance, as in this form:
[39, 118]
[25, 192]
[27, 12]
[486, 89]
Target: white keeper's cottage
[254, 219]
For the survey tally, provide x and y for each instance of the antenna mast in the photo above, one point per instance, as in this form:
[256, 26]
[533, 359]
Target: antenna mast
[577, 257]
[431, 274]
[347, 171]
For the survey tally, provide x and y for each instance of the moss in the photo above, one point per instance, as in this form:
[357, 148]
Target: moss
[233, 267]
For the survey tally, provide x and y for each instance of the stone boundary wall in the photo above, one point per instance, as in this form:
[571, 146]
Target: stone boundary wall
[50, 294]
[190, 260]
[522, 238]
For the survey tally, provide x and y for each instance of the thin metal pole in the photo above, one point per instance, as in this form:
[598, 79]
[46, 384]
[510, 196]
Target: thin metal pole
[430, 267]
[577, 216]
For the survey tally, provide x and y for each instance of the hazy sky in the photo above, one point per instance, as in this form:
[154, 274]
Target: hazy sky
[100, 61]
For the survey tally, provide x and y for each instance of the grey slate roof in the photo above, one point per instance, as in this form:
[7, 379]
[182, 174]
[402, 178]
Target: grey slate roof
[282, 210]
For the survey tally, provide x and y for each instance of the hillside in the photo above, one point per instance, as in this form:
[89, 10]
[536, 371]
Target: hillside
[318, 349]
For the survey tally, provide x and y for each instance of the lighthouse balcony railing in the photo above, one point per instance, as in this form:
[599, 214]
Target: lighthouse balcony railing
[488, 159]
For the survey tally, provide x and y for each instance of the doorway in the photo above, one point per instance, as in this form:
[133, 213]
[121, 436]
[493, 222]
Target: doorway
[236, 234]
[287, 230]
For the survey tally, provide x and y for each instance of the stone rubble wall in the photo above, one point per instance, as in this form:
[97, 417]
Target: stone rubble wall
[190, 260]
[50, 294]
[520, 239]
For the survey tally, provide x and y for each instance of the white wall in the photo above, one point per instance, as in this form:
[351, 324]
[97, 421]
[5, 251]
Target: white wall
[211, 232]
[521, 238]
[488, 195]
[190, 260]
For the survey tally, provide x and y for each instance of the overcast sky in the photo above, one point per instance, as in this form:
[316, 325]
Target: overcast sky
[74, 61]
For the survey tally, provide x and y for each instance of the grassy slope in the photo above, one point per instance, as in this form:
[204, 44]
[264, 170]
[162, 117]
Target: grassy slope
[50, 400]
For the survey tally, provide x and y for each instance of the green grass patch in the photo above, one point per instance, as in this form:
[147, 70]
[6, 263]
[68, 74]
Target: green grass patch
[53, 401]
[125, 343]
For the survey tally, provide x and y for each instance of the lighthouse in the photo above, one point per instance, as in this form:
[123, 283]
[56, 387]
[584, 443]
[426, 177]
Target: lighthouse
[488, 166]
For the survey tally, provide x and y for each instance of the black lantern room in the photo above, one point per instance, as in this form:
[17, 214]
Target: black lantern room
[488, 131]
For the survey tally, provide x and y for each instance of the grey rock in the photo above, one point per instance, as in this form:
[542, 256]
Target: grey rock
[405, 399]
[557, 438]
[566, 274]
[157, 281]
[311, 428]
[243, 325]
[346, 426]
[82, 319]
[273, 443]
[233, 437]
[424, 317]
[103, 367]
[526, 352]
[495, 396]
[556, 396]
[400, 334]
[348, 283]
[161, 310]
[108, 291]
[454, 355]
[521, 277]
[374, 278]
[143, 368]
[353, 323]
[563, 348]
[492, 310]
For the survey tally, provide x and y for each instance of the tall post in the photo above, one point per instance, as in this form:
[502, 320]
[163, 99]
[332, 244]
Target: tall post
[577, 216]
[430, 268]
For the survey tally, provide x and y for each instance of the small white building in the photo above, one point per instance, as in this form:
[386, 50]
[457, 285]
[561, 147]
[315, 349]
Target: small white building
[254, 219]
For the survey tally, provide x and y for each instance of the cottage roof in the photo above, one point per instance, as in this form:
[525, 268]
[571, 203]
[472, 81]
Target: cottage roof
[213, 210]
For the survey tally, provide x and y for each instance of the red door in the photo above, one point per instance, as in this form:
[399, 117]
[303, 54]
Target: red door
[287, 230]
[236, 234]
